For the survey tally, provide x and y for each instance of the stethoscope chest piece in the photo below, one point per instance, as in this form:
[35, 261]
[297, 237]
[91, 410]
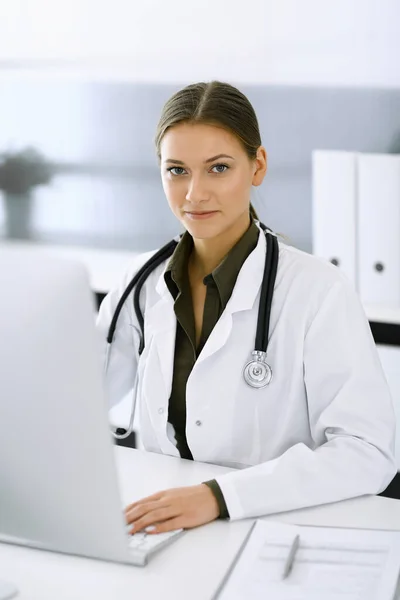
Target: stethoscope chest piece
[257, 373]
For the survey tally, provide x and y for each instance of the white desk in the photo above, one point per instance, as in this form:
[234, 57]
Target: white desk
[105, 267]
[192, 567]
[383, 314]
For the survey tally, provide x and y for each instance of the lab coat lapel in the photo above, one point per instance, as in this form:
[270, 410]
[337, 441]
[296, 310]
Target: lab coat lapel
[244, 295]
[161, 323]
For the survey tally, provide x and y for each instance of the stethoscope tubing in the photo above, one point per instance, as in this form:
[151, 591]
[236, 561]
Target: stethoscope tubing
[257, 373]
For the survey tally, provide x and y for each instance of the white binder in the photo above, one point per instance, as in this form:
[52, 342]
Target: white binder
[335, 209]
[379, 228]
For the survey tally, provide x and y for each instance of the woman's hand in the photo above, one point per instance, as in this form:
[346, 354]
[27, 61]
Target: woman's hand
[177, 508]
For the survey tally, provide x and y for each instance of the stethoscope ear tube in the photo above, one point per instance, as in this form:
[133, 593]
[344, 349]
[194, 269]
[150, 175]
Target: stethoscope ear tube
[273, 248]
[257, 373]
[129, 429]
[262, 322]
[139, 279]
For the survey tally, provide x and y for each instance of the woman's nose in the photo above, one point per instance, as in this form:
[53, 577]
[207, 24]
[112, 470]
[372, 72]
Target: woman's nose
[196, 191]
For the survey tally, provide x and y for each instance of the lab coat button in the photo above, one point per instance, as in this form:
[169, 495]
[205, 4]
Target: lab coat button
[198, 423]
[160, 411]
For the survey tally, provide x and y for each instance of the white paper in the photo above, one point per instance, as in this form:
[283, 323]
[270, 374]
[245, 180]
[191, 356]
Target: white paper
[330, 564]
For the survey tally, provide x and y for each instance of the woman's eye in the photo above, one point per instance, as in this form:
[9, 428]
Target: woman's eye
[176, 170]
[220, 168]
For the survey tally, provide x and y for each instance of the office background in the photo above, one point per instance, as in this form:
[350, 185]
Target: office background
[84, 83]
[106, 189]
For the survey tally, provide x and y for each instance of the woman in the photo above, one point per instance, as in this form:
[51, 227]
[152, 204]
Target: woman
[322, 430]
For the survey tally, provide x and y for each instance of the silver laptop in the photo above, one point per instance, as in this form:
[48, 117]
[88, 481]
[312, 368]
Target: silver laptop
[58, 479]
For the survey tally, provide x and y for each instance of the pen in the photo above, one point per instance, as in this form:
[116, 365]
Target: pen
[290, 559]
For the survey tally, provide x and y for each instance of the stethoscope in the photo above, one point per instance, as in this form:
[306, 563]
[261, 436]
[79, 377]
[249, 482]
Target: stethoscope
[257, 372]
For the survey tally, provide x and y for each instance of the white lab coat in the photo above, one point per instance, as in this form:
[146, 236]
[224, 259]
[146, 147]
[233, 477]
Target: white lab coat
[322, 431]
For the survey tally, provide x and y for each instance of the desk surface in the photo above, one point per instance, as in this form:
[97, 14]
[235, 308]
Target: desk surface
[193, 566]
[105, 267]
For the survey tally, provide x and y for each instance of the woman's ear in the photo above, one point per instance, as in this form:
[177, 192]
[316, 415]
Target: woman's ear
[260, 166]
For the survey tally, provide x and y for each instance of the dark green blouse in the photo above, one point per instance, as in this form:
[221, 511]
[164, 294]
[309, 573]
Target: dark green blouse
[220, 284]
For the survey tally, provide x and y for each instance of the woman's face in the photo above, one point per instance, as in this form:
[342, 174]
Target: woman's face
[207, 178]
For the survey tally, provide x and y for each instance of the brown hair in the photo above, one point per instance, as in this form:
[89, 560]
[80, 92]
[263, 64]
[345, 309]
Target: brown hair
[213, 103]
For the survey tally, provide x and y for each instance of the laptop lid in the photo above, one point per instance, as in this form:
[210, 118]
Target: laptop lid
[58, 481]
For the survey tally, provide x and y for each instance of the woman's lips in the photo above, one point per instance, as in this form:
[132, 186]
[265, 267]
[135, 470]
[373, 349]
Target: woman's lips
[200, 215]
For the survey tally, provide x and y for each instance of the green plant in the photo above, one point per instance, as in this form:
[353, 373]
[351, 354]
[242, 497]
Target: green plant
[23, 170]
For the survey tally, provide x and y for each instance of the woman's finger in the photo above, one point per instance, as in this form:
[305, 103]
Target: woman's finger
[152, 498]
[168, 525]
[138, 511]
[154, 517]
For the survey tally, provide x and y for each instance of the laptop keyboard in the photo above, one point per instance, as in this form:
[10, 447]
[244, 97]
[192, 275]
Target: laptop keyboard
[142, 544]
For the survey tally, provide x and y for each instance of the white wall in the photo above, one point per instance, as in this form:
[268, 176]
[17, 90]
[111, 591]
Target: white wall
[346, 42]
